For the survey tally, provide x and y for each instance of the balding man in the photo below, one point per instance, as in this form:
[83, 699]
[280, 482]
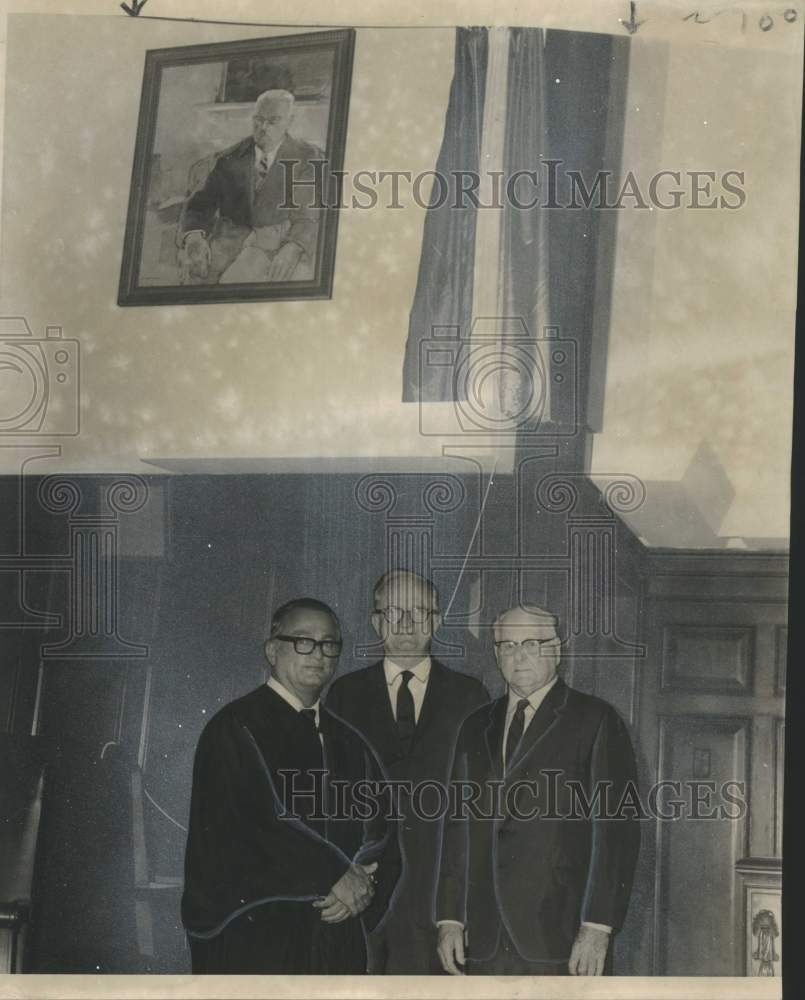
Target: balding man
[535, 878]
[409, 707]
[282, 874]
[241, 225]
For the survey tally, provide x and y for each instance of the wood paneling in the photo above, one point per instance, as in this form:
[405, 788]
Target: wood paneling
[780, 657]
[711, 708]
[779, 777]
[707, 658]
[697, 853]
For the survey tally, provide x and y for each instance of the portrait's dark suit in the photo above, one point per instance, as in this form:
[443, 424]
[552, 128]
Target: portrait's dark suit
[229, 206]
[541, 877]
[250, 874]
[405, 943]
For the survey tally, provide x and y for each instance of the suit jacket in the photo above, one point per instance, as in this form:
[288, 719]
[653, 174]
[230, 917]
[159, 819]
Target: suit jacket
[227, 202]
[241, 853]
[541, 876]
[361, 698]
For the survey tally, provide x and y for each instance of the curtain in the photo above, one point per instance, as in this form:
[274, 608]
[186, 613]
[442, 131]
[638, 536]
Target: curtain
[524, 290]
[563, 102]
[443, 295]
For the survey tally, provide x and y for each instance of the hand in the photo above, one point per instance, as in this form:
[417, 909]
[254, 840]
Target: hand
[193, 258]
[354, 890]
[451, 948]
[333, 910]
[283, 263]
[588, 952]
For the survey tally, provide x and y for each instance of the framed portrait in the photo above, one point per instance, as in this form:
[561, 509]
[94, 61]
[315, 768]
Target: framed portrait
[234, 193]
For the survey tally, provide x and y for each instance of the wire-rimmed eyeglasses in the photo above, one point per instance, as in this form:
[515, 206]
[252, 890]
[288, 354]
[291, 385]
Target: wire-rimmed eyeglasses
[508, 646]
[395, 615]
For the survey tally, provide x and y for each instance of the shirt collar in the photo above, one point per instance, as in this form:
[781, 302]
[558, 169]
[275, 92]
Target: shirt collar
[269, 154]
[290, 697]
[535, 699]
[420, 670]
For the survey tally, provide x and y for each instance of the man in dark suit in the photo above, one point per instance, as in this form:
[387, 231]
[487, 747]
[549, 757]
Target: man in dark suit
[279, 877]
[256, 217]
[536, 878]
[409, 707]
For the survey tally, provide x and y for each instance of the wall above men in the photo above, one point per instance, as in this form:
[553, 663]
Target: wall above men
[701, 335]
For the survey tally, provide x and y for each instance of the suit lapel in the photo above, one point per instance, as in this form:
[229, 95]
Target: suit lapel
[251, 174]
[386, 742]
[494, 733]
[543, 721]
[433, 697]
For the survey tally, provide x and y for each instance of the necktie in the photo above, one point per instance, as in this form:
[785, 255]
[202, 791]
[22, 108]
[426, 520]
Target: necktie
[311, 806]
[516, 728]
[309, 715]
[262, 170]
[406, 719]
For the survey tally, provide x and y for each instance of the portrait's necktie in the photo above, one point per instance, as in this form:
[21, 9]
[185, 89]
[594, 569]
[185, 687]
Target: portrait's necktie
[406, 717]
[516, 728]
[262, 170]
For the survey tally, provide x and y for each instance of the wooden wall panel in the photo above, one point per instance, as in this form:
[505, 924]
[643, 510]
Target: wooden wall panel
[707, 658]
[710, 705]
[696, 857]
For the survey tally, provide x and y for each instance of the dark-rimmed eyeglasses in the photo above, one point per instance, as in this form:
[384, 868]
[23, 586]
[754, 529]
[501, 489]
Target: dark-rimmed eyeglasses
[508, 646]
[304, 645]
[394, 615]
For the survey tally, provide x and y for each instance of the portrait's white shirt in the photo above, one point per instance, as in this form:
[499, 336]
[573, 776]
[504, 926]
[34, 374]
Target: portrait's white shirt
[269, 156]
[292, 699]
[418, 684]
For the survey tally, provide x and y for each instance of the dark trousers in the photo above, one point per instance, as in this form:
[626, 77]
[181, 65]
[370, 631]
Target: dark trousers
[282, 938]
[507, 961]
[404, 946]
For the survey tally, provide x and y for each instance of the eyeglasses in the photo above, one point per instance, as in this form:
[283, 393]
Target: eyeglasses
[304, 645]
[395, 615]
[508, 646]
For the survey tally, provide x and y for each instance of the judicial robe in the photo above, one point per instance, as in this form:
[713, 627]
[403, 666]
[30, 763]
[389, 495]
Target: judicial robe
[252, 870]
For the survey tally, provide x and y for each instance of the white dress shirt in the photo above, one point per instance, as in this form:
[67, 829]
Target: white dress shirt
[268, 155]
[418, 684]
[293, 701]
[535, 699]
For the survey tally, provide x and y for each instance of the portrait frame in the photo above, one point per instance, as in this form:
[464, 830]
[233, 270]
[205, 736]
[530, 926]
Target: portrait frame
[322, 60]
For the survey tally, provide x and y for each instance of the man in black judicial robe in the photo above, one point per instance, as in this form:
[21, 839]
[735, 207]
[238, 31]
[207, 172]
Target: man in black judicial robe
[282, 873]
[409, 707]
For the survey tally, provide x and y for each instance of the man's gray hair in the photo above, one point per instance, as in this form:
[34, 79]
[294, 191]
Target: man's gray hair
[275, 95]
[395, 574]
[540, 615]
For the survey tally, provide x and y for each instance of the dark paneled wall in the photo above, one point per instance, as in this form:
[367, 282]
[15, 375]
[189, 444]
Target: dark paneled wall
[689, 648]
[712, 710]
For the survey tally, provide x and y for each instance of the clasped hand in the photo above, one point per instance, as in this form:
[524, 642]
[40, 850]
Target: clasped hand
[193, 258]
[350, 895]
